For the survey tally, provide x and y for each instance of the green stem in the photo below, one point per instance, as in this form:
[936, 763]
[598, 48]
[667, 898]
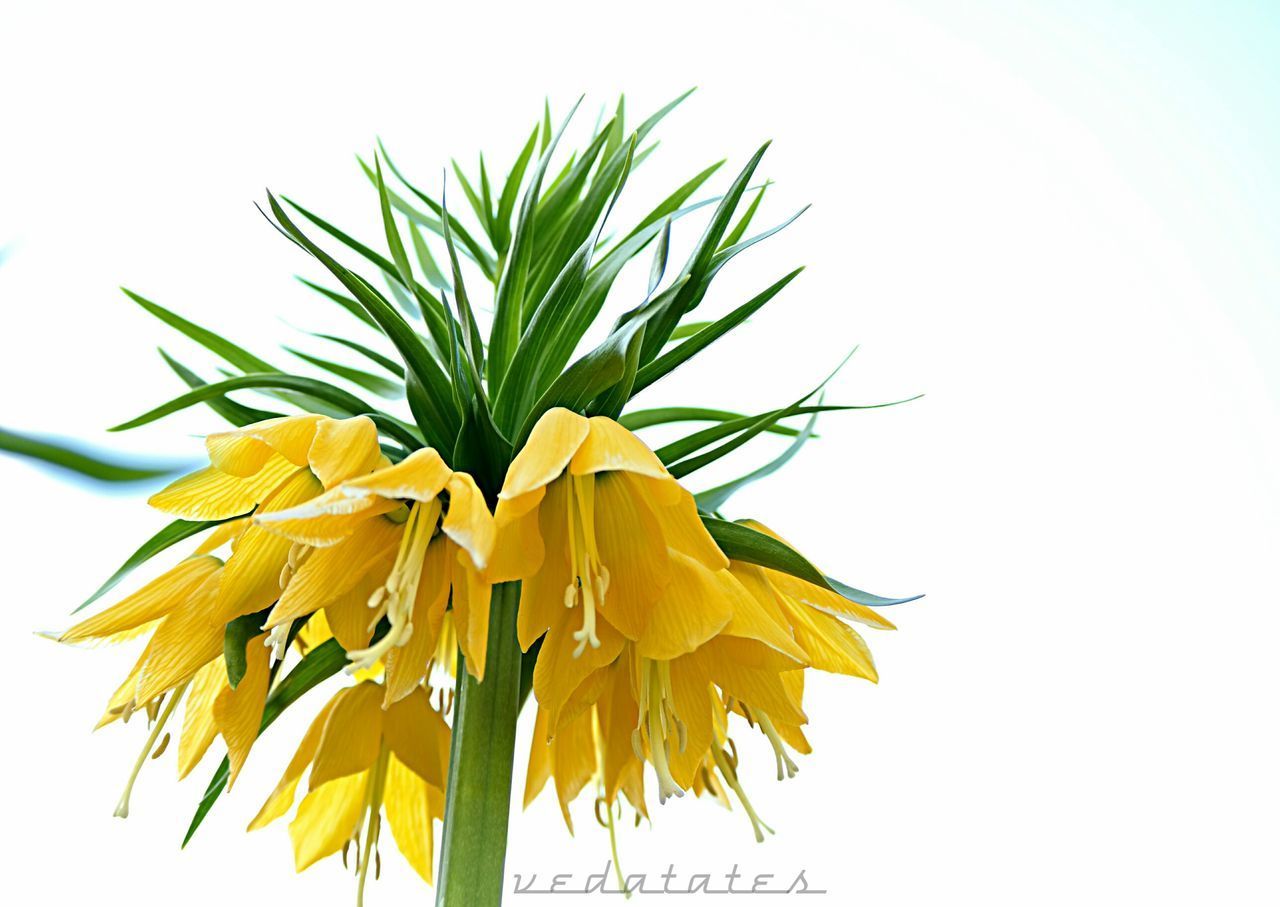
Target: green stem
[474, 841]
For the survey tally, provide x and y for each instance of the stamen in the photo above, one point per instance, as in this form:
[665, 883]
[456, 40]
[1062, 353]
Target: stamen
[122, 808]
[731, 778]
[590, 578]
[373, 802]
[602, 799]
[785, 765]
[278, 641]
[659, 722]
[395, 599]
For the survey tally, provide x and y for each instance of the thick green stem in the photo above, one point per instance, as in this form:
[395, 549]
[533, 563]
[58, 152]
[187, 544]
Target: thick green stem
[474, 842]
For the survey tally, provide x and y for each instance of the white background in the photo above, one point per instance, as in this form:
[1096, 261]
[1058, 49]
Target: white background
[1055, 223]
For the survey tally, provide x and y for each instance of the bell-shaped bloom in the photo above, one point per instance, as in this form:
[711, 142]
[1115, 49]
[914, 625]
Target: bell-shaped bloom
[610, 549]
[362, 761]
[400, 543]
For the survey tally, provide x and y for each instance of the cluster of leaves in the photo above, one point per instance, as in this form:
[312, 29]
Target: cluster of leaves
[474, 389]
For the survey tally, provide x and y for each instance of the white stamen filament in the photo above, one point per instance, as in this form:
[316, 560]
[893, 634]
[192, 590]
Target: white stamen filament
[122, 808]
[590, 578]
[658, 723]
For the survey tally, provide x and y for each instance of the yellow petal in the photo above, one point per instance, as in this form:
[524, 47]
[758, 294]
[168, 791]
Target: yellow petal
[327, 573]
[469, 522]
[154, 600]
[694, 705]
[238, 712]
[683, 530]
[281, 798]
[695, 605]
[611, 448]
[517, 549]
[830, 645]
[421, 476]
[631, 546]
[407, 801]
[198, 726]
[122, 698]
[760, 616]
[573, 761]
[327, 819]
[407, 664]
[542, 593]
[344, 449]
[352, 735]
[557, 672]
[554, 440]
[618, 715]
[471, 615]
[539, 770]
[325, 520]
[413, 731]
[183, 643]
[210, 494]
[221, 534]
[244, 451]
[349, 616]
[749, 671]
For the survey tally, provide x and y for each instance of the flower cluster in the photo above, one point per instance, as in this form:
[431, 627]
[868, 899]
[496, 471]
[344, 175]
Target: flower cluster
[511, 537]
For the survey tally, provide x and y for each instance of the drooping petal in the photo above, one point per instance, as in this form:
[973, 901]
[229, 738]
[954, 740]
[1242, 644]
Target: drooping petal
[695, 707]
[558, 673]
[471, 614]
[421, 476]
[407, 801]
[406, 665]
[829, 644]
[617, 715]
[327, 819]
[349, 616]
[542, 594]
[518, 548]
[238, 712]
[328, 573]
[183, 643]
[210, 494]
[281, 798]
[198, 727]
[551, 445]
[469, 522]
[761, 616]
[344, 449]
[352, 735]
[631, 546]
[573, 761]
[326, 520]
[412, 730]
[539, 770]
[683, 529]
[221, 534]
[154, 600]
[609, 447]
[695, 605]
[749, 671]
[244, 451]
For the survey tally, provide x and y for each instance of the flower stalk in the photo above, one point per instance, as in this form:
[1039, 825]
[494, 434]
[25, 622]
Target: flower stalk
[474, 841]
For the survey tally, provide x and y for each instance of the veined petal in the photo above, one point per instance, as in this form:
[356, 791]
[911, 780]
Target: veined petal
[243, 451]
[573, 761]
[631, 546]
[695, 605]
[238, 712]
[749, 671]
[184, 642]
[684, 531]
[154, 600]
[760, 616]
[221, 534]
[325, 520]
[830, 645]
[327, 819]
[695, 706]
[210, 494]
[542, 593]
[281, 798]
[352, 735]
[122, 698]
[349, 616]
[539, 770]
[251, 578]
[420, 476]
[413, 730]
[471, 614]
[198, 726]
[611, 448]
[328, 573]
[407, 801]
[344, 449]
[617, 715]
[406, 665]
[469, 522]
[518, 549]
[554, 440]
[557, 672]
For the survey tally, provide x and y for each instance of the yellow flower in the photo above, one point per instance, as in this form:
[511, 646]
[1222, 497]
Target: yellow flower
[364, 760]
[401, 542]
[610, 549]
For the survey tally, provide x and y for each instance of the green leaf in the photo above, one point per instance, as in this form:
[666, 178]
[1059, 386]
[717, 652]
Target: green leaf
[316, 666]
[177, 531]
[511, 191]
[473, 199]
[78, 461]
[345, 301]
[240, 358]
[383, 387]
[275, 380]
[237, 414]
[742, 543]
[677, 356]
[235, 640]
[740, 227]
[714, 498]
[688, 329]
[665, 415]
[764, 422]
[426, 261]
[374, 356]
